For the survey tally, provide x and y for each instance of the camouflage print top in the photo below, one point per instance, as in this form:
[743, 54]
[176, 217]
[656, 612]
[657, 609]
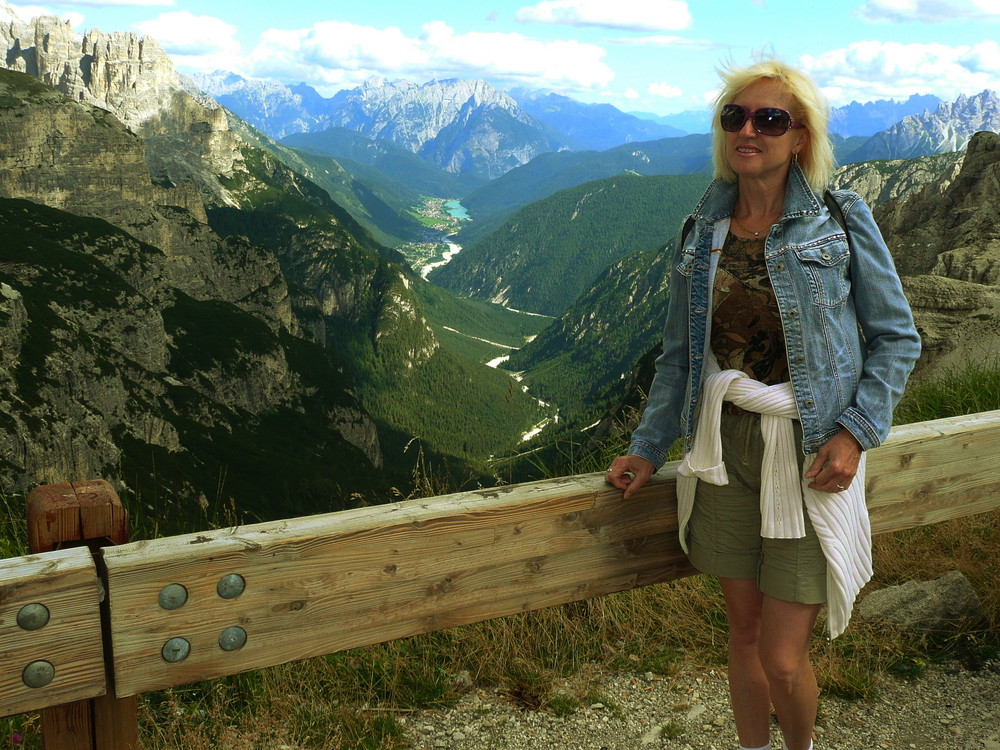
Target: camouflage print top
[746, 326]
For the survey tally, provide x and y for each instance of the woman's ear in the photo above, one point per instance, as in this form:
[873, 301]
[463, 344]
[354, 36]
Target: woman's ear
[801, 143]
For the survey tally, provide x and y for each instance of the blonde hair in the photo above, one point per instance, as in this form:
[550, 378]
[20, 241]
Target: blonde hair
[809, 107]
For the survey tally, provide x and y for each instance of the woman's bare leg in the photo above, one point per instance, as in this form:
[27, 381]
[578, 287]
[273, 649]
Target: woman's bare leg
[786, 629]
[748, 686]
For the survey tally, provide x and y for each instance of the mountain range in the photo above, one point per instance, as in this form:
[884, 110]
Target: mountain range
[388, 137]
[182, 311]
[199, 312]
[492, 203]
[948, 128]
[464, 127]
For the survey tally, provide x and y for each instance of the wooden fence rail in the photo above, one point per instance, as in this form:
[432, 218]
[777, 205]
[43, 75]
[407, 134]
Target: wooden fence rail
[199, 606]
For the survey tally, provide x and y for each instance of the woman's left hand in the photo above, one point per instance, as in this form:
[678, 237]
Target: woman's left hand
[836, 463]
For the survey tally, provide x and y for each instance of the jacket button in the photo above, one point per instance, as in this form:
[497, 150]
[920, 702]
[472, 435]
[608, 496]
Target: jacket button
[809, 402]
[780, 267]
[826, 256]
[792, 313]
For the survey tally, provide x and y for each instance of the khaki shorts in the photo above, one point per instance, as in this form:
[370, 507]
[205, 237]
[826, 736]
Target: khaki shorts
[724, 531]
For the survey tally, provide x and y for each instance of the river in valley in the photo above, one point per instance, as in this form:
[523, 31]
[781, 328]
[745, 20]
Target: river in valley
[445, 216]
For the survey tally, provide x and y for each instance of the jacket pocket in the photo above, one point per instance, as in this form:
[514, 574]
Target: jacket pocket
[826, 266]
[685, 264]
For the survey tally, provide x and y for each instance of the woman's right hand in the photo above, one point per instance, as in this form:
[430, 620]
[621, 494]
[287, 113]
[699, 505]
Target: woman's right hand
[629, 473]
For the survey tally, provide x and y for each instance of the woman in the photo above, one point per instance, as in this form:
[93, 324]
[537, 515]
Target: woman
[783, 339]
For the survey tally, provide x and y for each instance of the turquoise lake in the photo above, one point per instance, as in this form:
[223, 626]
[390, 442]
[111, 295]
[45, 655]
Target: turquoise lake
[456, 209]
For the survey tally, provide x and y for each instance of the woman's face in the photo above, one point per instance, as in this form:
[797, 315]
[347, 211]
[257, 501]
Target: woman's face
[763, 157]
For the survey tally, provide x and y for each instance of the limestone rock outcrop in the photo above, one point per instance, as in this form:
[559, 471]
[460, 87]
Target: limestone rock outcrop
[945, 240]
[129, 328]
[133, 78]
[878, 182]
[940, 605]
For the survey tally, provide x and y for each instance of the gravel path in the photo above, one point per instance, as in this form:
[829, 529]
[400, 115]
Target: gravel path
[946, 707]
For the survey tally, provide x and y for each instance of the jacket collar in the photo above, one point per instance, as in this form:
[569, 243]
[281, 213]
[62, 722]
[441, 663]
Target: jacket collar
[720, 197]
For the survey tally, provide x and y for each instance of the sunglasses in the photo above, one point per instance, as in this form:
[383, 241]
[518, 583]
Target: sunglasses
[766, 120]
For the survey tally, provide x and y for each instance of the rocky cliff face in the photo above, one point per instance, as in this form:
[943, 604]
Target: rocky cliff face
[189, 140]
[105, 370]
[881, 181]
[84, 160]
[131, 332]
[946, 244]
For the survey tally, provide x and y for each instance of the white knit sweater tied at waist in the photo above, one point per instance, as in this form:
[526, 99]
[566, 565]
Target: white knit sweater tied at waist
[840, 519]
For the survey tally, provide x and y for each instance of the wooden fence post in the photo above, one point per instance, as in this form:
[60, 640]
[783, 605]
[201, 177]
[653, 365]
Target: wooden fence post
[72, 515]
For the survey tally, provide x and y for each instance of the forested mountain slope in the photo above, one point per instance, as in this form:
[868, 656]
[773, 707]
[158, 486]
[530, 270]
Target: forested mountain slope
[544, 175]
[550, 252]
[143, 346]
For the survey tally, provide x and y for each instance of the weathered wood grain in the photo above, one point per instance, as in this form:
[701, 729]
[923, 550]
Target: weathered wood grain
[930, 472]
[323, 583]
[66, 583]
[71, 512]
[88, 515]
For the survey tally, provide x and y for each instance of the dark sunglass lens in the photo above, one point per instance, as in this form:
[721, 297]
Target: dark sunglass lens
[772, 121]
[732, 118]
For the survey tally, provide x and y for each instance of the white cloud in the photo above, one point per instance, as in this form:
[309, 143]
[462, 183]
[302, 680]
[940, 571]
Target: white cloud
[666, 40]
[334, 55]
[664, 90]
[890, 70]
[631, 15]
[198, 42]
[109, 3]
[631, 93]
[929, 11]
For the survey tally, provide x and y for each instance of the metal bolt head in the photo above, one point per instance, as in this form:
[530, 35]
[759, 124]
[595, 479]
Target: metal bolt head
[233, 639]
[231, 586]
[33, 617]
[173, 596]
[175, 650]
[38, 674]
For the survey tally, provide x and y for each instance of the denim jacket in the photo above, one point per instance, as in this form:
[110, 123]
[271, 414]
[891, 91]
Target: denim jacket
[849, 333]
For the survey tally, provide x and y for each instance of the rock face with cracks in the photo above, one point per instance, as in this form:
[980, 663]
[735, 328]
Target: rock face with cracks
[132, 333]
[945, 240]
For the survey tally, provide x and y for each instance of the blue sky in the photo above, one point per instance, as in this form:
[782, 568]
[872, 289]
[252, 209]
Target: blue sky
[654, 56]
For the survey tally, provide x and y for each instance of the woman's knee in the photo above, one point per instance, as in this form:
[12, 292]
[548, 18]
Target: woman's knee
[786, 670]
[743, 610]
[744, 632]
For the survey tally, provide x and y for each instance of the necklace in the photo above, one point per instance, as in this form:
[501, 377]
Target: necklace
[747, 230]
